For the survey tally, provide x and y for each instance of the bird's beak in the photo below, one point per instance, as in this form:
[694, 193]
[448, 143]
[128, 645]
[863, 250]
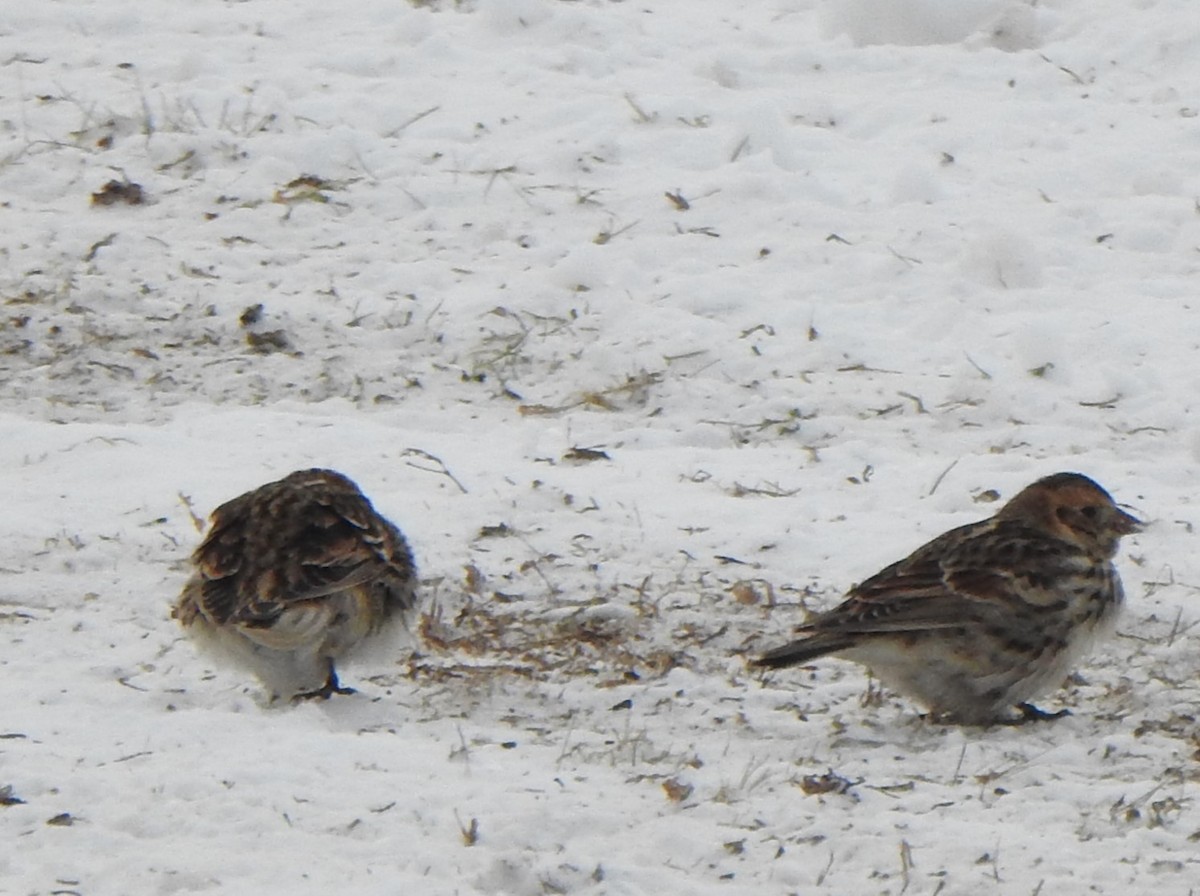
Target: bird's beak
[1125, 524]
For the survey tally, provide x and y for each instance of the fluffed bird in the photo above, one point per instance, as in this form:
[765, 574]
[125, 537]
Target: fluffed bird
[295, 574]
[989, 615]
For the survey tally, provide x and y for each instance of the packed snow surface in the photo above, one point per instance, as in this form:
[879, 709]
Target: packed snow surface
[654, 325]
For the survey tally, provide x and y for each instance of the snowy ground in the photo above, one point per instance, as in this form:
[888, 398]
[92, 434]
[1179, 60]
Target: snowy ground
[652, 324]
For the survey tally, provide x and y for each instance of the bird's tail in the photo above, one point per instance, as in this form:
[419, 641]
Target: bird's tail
[802, 651]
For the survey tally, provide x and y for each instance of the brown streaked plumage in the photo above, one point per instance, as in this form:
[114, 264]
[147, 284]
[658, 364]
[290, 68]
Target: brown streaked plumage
[989, 615]
[295, 574]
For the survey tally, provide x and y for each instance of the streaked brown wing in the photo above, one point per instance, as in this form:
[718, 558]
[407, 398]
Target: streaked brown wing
[964, 575]
[289, 542]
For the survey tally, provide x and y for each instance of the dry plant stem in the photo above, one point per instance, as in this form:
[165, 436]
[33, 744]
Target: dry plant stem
[443, 469]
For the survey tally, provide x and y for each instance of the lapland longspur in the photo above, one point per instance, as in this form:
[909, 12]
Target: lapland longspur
[295, 574]
[989, 615]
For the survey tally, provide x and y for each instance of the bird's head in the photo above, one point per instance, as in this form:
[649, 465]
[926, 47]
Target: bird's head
[1074, 508]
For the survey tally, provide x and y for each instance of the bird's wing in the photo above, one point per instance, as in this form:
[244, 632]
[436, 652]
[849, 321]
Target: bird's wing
[965, 575]
[254, 565]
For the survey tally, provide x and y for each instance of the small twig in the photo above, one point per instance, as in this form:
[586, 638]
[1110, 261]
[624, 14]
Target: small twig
[1106, 403]
[962, 754]
[825, 871]
[470, 832]
[766, 328]
[536, 566]
[396, 130]
[1064, 69]
[907, 259]
[941, 476]
[713, 636]
[444, 470]
[464, 749]
[186, 501]
[98, 245]
[562, 754]
[863, 368]
[767, 489]
[678, 200]
[982, 372]
[605, 236]
[642, 116]
[1175, 627]
[137, 755]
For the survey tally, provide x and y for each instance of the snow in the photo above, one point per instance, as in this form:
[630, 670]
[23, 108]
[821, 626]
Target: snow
[814, 277]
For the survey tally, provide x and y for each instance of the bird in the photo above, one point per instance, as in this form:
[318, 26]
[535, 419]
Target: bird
[293, 575]
[987, 616]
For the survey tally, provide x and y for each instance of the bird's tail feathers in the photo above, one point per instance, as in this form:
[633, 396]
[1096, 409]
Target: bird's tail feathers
[802, 651]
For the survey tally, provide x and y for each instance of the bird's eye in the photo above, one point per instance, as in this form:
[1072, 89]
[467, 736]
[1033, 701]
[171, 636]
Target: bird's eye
[1083, 518]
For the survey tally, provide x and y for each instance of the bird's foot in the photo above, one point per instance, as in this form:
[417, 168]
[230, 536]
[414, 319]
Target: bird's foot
[1030, 713]
[332, 686]
[1026, 713]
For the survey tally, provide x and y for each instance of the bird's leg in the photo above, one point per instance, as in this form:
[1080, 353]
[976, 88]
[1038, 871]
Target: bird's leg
[332, 686]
